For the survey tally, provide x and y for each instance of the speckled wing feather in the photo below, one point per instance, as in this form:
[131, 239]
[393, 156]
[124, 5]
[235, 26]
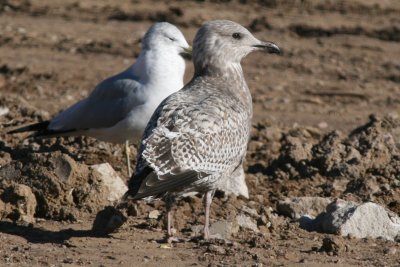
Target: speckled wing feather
[193, 136]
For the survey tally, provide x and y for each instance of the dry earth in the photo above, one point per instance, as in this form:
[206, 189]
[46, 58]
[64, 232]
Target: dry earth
[313, 134]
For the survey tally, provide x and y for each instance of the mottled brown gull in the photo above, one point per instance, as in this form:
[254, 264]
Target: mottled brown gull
[198, 136]
[119, 107]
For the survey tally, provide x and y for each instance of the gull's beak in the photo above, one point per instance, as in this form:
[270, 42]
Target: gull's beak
[187, 52]
[188, 49]
[269, 47]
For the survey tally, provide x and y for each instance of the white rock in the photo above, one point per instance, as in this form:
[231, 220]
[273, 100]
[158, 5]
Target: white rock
[360, 220]
[4, 110]
[112, 182]
[247, 222]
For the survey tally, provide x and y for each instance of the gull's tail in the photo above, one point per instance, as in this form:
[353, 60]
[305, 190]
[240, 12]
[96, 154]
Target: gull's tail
[40, 130]
[36, 127]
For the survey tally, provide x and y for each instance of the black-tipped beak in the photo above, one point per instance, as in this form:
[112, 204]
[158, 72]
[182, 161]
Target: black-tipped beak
[268, 47]
[186, 53]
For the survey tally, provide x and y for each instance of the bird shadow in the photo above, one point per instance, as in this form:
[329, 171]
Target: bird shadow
[39, 235]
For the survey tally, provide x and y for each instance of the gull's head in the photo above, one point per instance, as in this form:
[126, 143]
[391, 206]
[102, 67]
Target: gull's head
[163, 35]
[224, 42]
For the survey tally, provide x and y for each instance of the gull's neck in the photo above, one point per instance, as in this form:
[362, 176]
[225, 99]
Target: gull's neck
[159, 68]
[217, 67]
[231, 74]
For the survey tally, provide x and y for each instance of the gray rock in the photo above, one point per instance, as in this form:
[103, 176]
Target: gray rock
[298, 207]
[114, 187]
[220, 229]
[64, 167]
[250, 211]
[216, 249]
[246, 222]
[223, 229]
[196, 230]
[358, 220]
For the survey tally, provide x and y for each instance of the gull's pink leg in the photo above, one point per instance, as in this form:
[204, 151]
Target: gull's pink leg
[170, 238]
[169, 221]
[207, 204]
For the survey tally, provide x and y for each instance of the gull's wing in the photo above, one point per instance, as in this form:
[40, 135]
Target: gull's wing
[110, 102]
[188, 138]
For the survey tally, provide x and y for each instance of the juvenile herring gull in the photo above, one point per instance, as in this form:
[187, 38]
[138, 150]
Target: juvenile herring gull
[119, 108]
[198, 136]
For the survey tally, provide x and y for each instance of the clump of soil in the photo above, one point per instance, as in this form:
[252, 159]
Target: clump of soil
[17, 202]
[64, 188]
[365, 165]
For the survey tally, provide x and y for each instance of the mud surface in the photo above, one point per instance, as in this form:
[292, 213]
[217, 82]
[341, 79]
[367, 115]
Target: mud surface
[313, 132]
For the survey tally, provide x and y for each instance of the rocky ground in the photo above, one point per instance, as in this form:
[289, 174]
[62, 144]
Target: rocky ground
[326, 138]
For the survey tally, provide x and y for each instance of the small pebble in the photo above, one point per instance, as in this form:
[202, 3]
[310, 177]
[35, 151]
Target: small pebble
[4, 110]
[390, 251]
[323, 125]
[154, 214]
[216, 249]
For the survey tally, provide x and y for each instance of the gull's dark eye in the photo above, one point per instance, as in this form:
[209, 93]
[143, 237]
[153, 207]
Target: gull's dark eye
[237, 35]
[172, 39]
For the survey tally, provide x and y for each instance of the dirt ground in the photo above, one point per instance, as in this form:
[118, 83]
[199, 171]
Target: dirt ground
[313, 134]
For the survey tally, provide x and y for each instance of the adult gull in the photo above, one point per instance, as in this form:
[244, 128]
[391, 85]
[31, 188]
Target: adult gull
[119, 107]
